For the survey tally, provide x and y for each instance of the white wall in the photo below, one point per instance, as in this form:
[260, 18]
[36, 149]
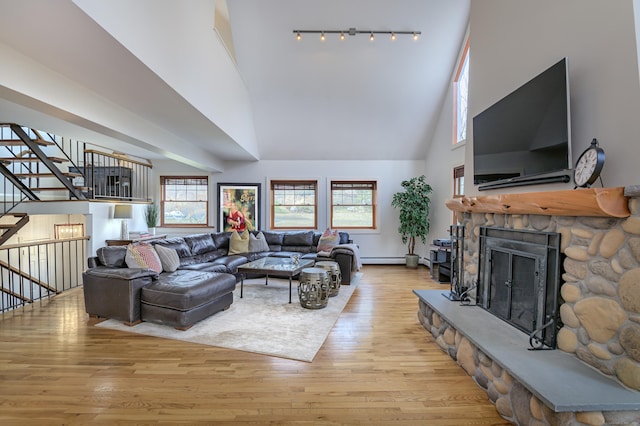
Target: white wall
[217, 90]
[380, 246]
[513, 41]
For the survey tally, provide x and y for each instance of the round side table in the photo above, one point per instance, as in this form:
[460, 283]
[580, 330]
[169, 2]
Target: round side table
[313, 289]
[335, 277]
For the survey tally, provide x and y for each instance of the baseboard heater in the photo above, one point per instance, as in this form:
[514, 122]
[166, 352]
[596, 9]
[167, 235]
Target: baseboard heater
[525, 181]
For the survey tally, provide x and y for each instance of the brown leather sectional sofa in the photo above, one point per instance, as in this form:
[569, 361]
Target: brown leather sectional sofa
[201, 286]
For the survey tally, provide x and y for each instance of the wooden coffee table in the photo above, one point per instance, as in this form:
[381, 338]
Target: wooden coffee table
[274, 266]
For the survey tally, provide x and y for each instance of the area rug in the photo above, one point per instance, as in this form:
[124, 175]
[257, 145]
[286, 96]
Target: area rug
[263, 322]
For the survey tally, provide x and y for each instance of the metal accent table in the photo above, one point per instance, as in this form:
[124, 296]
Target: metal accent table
[274, 266]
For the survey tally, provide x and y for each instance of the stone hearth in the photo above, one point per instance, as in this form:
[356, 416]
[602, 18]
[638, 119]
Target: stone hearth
[600, 286]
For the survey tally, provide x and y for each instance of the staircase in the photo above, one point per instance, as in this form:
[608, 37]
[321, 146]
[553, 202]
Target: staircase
[37, 164]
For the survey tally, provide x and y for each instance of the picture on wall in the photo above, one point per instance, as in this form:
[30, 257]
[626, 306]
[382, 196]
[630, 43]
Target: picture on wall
[238, 206]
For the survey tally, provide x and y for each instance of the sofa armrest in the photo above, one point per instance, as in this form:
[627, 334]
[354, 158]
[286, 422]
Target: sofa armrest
[345, 261]
[115, 292]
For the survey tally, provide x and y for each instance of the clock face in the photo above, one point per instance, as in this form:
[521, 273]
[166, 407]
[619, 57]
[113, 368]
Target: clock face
[588, 167]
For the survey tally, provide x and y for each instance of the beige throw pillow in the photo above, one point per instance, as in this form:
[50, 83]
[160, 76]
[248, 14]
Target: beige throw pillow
[239, 243]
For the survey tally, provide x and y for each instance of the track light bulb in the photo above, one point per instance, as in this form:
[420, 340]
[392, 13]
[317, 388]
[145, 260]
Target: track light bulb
[322, 37]
[299, 37]
[341, 36]
[371, 37]
[393, 36]
[415, 36]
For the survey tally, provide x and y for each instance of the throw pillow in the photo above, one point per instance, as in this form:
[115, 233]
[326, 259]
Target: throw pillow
[258, 243]
[328, 240]
[239, 243]
[168, 258]
[143, 256]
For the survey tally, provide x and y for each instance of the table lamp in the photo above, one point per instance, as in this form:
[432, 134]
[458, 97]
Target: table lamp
[124, 212]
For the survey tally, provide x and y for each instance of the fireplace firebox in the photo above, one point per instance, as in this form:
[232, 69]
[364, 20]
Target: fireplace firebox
[519, 280]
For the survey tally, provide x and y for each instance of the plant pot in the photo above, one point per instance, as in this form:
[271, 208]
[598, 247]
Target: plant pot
[411, 260]
[152, 230]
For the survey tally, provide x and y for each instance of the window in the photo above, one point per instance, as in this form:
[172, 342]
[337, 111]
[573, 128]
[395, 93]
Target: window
[458, 181]
[353, 204]
[185, 201]
[294, 204]
[461, 96]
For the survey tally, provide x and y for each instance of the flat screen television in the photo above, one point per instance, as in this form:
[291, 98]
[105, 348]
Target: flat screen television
[525, 138]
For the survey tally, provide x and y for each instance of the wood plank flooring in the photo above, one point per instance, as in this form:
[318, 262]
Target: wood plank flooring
[377, 367]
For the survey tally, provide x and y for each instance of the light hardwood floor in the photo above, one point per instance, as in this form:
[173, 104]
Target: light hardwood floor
[377, 367]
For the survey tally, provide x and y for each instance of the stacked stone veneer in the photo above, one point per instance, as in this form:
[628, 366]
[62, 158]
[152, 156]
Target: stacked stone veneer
[513, 401]
[600, 285]
[600, 311]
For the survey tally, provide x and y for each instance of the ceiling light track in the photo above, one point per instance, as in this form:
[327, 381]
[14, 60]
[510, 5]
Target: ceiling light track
[353, 31]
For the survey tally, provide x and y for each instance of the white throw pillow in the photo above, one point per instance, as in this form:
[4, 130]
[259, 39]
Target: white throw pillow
[258, 243]
[168, 258]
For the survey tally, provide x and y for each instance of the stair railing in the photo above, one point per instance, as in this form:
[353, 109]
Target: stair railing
[31, 272]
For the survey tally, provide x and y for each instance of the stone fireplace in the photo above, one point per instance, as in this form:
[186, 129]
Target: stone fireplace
[594, 235]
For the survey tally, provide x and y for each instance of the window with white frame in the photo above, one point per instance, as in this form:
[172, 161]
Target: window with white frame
[294, 204]
[461, 96]
[353, 204]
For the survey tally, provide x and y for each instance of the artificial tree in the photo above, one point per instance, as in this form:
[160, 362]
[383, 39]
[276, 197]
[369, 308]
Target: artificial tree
[413, 203]
[151, 215]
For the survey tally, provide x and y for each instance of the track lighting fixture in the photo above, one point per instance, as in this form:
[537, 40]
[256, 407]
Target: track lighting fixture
[353, 31]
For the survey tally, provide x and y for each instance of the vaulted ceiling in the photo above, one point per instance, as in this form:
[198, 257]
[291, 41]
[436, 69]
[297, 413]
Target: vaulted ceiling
[307, 99]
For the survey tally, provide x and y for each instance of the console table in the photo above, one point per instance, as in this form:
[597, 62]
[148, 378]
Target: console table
[134, 240]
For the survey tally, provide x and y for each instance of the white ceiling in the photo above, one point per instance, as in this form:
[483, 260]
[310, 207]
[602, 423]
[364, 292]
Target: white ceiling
[352, 99]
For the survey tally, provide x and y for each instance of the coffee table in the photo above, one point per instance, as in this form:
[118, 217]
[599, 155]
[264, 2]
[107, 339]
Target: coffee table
[274, 266]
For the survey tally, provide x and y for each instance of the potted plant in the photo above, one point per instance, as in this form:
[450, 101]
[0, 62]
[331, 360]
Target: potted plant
[151, 214]
[413, 203]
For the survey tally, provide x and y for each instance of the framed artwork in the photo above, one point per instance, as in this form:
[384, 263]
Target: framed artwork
[238, 206]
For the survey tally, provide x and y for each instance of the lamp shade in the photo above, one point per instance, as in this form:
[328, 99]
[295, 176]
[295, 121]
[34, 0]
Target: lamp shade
[123, 211]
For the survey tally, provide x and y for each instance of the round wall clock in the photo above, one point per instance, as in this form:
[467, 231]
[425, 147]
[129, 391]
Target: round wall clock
[589, 165]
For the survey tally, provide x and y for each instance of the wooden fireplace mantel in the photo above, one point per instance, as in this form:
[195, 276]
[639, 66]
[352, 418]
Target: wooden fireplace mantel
[609, 202]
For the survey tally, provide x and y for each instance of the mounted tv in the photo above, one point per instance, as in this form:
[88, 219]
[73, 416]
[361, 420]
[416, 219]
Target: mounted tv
[525, 138]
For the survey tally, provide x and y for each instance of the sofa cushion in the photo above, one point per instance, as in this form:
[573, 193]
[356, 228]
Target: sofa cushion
[239, 243]
[142, 255]
[257, 243]
[329, 239]
[183, 290]
[300, 238]
[168, 258]
[206, 266]
[200, 243]
[232, 262]
[274, 239]
[344, 237]
[112, 256]
[221, 240]
[178, 244]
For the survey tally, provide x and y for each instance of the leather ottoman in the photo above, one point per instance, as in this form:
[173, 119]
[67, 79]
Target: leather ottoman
[182, 298]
